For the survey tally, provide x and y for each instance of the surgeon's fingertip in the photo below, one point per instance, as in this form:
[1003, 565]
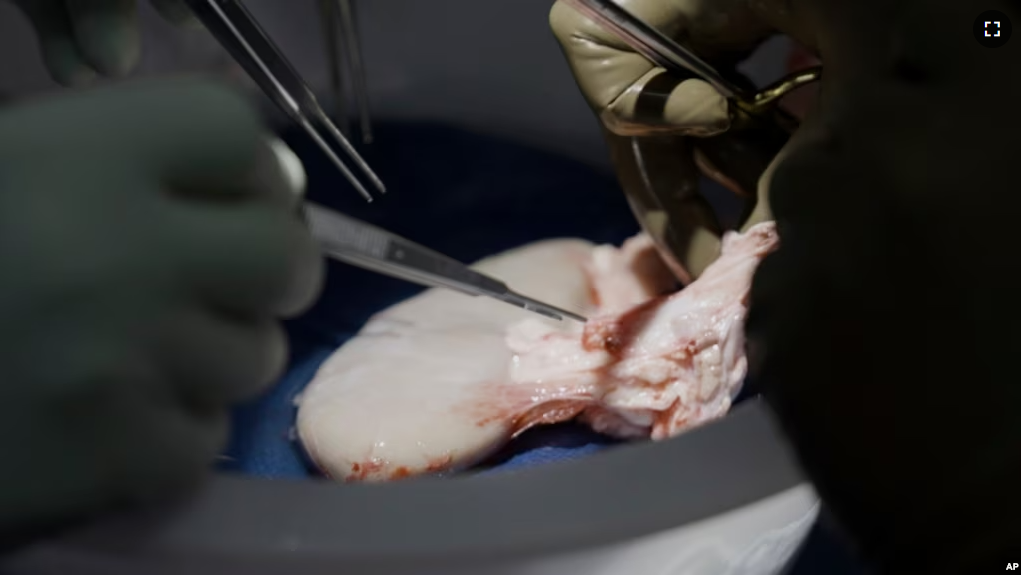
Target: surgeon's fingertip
[70, 74]
[64, 64]
[116, 59]
[273, 361]
[107, 34]
[698, 108]
[113, 52]
[291, 170]
[561, 17]
[177, 13]
[307, 280]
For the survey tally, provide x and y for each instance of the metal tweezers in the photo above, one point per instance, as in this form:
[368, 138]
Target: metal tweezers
[663, 51]
[342, 237]
[238, 32]
[344, 55]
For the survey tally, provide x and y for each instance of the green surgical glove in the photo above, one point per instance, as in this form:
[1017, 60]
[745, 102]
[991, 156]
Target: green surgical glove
[149, 241]
[81, 39]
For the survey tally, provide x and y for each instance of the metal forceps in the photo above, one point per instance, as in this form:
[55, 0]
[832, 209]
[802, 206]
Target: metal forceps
[242, 37]
[343, 50]
[360, 244]
[665, 52]
[759, 130]
[342, 237]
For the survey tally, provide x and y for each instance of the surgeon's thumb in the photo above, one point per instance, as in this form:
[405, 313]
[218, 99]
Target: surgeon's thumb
[660, 103]
[289, 168]
[107, 34]
[308, 271]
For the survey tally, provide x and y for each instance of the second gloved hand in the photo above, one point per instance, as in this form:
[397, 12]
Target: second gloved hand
[652, 118]
[149, 242]
[656, 122]
[81, 39]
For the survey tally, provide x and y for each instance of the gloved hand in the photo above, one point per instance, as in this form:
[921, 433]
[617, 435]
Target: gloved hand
[150, 242]
[653, 119]
[81, 39]
[883, 327]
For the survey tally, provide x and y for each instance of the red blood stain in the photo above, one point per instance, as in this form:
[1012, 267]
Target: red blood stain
[551, 412]
[496, 402]
[517, 408]
[593, 295]
[435, 465]
[684, 354]
[361, 471]
[615, 334]
[440, 464]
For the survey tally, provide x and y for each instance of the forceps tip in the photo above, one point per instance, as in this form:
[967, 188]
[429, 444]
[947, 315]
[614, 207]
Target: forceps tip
[575, 317]
[543, 308]
[568, 315]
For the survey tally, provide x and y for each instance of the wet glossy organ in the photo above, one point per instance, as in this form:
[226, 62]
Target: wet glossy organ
[442, 380]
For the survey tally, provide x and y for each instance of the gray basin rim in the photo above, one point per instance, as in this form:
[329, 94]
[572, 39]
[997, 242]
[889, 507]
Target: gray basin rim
[617, 495]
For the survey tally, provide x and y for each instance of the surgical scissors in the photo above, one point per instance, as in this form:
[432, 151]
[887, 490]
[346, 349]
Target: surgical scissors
[238, 32]
[366, 246]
